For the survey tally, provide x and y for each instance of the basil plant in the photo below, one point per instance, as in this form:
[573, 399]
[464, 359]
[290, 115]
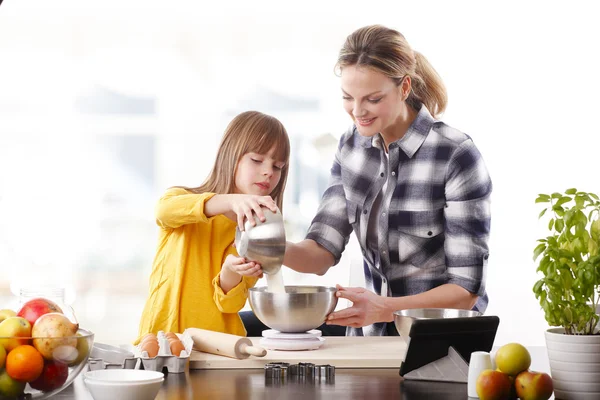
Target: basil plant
[570, 261]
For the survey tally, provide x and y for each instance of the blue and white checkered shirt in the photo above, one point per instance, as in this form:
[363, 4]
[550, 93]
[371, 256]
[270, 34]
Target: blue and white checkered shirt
[434, 217]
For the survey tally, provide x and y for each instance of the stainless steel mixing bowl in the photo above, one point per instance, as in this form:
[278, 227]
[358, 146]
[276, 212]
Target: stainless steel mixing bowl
[263, 243]
[300, 309]
[403, 319]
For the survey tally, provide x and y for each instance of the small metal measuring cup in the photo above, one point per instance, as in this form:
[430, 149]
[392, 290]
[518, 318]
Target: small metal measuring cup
[263, 243]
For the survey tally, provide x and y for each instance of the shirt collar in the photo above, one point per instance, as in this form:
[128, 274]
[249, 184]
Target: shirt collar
[412, 139]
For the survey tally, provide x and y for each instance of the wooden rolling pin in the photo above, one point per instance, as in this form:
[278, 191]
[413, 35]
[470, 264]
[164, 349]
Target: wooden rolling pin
[224, 344]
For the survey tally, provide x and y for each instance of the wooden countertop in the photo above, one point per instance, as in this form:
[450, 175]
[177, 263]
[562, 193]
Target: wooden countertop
[340, 351]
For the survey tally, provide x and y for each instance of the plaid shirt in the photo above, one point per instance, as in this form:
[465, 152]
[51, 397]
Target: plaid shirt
[434, 217]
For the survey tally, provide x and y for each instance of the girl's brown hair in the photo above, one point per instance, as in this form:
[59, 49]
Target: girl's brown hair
[254, 132]
[387, 51]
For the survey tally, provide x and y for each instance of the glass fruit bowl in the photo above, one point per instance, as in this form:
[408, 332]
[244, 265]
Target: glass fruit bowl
[39, 367]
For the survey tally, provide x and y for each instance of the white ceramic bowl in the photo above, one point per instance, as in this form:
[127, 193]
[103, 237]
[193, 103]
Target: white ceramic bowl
[130, 384]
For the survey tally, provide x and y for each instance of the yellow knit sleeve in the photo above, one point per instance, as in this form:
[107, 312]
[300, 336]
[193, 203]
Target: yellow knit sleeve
[234, 300]
[179, 207]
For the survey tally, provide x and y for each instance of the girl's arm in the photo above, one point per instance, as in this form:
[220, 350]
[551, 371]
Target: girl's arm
[239, 206]
[234, 268]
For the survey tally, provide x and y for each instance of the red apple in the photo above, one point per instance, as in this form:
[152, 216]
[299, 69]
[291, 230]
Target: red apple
[53, 376]
[35, 308]
[493, 385]
[532, 385]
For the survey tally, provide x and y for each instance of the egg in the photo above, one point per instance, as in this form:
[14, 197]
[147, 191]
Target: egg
[176, 347]
[151, 347]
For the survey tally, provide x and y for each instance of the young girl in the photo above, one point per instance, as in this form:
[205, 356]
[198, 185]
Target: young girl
[197, 278]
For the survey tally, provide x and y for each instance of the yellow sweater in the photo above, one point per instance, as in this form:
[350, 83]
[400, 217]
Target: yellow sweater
[184, 284]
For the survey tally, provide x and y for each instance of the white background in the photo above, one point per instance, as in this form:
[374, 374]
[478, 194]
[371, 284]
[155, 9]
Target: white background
[522, 79]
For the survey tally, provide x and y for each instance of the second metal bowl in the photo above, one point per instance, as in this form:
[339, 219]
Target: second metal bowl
[403, 319]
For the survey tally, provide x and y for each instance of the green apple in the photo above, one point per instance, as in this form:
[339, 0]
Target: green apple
[14, 331]
[5, 313]
[83, 350]
[10, 387]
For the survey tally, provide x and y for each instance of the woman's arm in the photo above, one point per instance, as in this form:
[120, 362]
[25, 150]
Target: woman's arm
[308, 256]
[368, 308]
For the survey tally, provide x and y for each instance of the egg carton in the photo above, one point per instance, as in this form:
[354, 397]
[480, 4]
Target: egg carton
[105, 356]
[165, 359]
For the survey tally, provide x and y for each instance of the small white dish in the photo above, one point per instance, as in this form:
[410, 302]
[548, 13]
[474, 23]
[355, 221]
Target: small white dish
[101, 390]
[124, 376]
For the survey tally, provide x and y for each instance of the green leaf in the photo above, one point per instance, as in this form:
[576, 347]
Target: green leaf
[550, 224]
[559, 225]
[571, 191]
[595, 230]
[593, 195]
[538, 250]
[542, 213]
[562, 201]
[556, 195]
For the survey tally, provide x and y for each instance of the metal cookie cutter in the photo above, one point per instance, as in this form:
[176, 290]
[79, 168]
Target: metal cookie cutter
[301, 372]
[325, 372]
[276, 370]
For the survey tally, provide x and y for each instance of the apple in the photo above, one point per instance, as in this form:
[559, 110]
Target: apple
[512, 358]
[53, 376]
[493, 385]
[11, 330]
[35, 308]
[532, 385]
[10, 387]
[52, 332]
[83, 350]
[5, 313]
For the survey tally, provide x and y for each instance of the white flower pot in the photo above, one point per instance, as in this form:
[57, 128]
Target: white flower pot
[574, 365]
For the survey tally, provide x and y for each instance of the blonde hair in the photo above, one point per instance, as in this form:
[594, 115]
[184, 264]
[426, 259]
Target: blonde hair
[254, 132]
[387, 51]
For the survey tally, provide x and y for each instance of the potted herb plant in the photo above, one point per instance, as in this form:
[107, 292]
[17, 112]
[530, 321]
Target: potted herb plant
[568, 291]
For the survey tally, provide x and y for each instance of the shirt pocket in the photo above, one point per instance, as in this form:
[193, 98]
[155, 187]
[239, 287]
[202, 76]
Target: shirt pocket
[421, 238]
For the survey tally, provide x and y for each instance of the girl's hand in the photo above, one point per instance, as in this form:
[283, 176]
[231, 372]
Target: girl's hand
[367, 308]
[245, 205]
[238, 265]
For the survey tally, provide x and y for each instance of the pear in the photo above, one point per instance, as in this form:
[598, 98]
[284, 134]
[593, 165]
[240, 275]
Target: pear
[52, 332]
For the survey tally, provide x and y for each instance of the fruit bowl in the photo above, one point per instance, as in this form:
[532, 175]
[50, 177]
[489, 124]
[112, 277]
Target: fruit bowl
[39, 367]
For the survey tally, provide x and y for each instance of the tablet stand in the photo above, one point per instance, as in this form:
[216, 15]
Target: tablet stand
[440, 349]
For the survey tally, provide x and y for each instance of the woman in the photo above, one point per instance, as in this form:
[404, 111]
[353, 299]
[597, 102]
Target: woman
[414, 190]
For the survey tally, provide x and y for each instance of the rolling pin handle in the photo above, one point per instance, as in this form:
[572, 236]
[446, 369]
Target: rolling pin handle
[253, 350]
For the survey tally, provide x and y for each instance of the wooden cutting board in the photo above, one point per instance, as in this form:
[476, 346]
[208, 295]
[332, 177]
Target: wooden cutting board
[339, 351]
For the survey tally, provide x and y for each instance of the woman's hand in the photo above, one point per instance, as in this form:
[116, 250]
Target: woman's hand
[367, 308]
[245, 205]
[238, 265]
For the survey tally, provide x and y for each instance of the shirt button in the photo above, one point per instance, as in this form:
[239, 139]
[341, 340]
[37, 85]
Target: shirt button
[429, 233]
[393, 173]
[381, 174]
[486, 257]
[383, 214]
[365, 211]
[383, 252]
